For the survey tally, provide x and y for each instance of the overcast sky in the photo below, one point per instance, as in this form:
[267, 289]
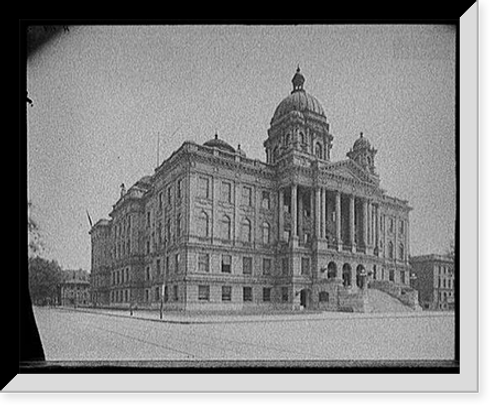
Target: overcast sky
[102, 94]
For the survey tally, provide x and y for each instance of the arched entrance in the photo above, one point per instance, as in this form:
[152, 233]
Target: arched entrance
[346, 274]
[360, 276]
[305, 298]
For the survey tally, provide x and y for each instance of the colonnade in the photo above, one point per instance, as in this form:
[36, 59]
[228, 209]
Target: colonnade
[355, 218]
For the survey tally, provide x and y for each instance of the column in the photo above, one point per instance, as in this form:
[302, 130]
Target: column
[338, 220]
[281, 213]
[376, 228]
[364, 242]
[317, 213]
[323, 213]
[352, 226]
[293, 210]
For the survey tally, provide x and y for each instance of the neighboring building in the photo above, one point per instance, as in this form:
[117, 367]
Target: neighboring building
[212, 229]
[434, 278]
[74, 289]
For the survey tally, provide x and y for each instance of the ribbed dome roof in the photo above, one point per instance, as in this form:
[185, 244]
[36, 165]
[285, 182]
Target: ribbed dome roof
[362, 142]
[219, 144]
[298, 100]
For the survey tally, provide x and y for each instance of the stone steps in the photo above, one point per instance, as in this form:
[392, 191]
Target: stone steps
[379, 301]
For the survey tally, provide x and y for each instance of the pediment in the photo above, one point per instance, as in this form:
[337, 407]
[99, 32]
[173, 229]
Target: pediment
[350, 170]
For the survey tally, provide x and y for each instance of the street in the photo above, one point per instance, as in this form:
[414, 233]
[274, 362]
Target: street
[72, 335]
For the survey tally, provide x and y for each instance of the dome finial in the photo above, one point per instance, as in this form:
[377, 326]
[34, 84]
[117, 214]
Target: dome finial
[298, 80]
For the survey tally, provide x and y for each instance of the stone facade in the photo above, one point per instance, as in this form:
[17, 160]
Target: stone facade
[214, 230]
[434, 279]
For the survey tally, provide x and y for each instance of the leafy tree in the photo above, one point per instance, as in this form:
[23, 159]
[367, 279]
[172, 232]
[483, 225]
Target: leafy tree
[35, 245]
[44, 278]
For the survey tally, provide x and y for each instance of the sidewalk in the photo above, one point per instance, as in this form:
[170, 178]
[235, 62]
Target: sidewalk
[188, 318]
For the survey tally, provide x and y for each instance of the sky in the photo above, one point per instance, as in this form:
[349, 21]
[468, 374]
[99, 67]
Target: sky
[102, 95]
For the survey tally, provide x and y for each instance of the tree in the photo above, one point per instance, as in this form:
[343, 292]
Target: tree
[44, 278]
[35, 245]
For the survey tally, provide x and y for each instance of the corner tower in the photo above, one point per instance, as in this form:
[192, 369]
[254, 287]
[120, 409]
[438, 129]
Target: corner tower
[299, 123]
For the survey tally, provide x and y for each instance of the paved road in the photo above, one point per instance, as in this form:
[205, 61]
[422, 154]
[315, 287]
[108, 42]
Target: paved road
[71, 335]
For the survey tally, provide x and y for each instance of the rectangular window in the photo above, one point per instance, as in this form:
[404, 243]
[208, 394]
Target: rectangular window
[160, 201]
[284, 294]
[226, 263]
[158, 268]
[247, 265]
[176, 293]
[146, 295]
[305, 266]
[167, 265]
[165, 294]
[148, 219]
[247, 294]
[179, 190]
[204, 292]
[266, 266]
[226, 293]
[203, 262]
[226, 192]
[157, 294]
[204, 187]
[177, 262]
[391, 275]
[246, 196]
[169, 197]
[284, 266]
[401, 227]
[266, 200]
[266, 294]
[148, 274]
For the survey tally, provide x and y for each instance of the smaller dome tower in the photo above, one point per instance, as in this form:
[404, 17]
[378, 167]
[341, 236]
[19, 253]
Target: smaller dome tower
[363, 153]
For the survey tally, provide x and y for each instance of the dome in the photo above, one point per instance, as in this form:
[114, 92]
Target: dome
[361, 142]
[219, 144]
[298, 100]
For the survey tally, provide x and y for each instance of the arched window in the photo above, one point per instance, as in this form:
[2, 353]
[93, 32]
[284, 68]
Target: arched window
[401, 252]
[203, 225]
[318, 150]
[226, 228]
[390, 248]
[179, 225]
[346, 274]
[246, 231]
[332, 270]
[266, 235]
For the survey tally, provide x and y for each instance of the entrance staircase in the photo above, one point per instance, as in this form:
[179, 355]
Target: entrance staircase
[378, 301]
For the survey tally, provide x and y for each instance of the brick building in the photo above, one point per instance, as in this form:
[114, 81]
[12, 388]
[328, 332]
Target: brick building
[434, 278]
[213, 229]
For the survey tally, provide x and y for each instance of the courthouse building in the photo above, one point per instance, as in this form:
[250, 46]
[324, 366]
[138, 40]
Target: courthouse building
[213, 229]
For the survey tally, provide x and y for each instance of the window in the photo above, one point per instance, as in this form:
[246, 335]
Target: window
[318, 149]
[177, 262]
[401, 252]
[391, 225]
[179, 190]
[168, 232]
[146, 295]
[204, 187]
[179, 225]
[246, 231]
[401, 227]
[266, 266]
[247, 294]
[391, 275]
[332, 270]
[167, 265]
[226, 192]
[402, 276]
[324, 297]
[305, 266]
[266, 294]
[226, 228]
[266, 234]
[203, 262]
[165, 294]
[157, 294]
[247, 265]
[160, 201]
[158, 268]
[226, 293]
[246, 196]
[284, 294]
[390, 248]
[284, 266]
[148, 274]
[169, 196]
[176, 293]
[204, 292]
[203, 224]
[148, 219]
[266, 200]
[226, 263]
